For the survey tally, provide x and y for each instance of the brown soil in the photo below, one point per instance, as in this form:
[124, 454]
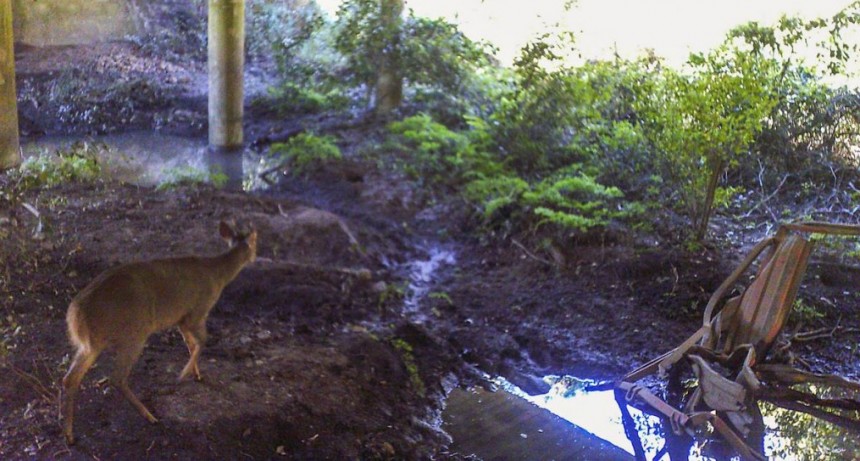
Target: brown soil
[289, 367]
[310, 354]
[308, 357]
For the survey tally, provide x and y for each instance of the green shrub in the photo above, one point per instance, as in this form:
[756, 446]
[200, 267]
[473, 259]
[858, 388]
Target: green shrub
[493, 195]
[569, 200]
[429, 52]
[78, 163]
[702, 121]
[307, 150]
[291, 98]
[191, 176]
[574, 201]
[439, 155]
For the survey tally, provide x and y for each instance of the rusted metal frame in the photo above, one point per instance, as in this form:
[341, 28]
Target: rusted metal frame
[729, 283]
[797, 260]
[732, 361]
[787, 375]
[718, 392]
[772, 245]
[681, 421]
[774, 293]
[709, 318]
[746, 451]
[679, 418]
[666, 360]
[818, 227]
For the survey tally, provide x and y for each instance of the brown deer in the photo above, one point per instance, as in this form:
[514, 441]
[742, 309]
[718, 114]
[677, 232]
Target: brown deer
[124, 305]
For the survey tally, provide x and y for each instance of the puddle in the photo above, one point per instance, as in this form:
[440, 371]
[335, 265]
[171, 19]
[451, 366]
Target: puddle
[148, 158]
[502, 426]
[790, 436]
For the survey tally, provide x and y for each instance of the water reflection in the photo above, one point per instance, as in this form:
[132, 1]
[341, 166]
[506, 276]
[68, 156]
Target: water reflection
[790, 435]
[150, 159]
[230, 163]
[793, 435]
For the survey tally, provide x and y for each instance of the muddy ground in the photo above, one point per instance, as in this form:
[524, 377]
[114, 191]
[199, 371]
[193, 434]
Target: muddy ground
[311, 354]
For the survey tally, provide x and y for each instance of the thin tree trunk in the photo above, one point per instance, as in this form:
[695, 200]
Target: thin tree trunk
[708, 207]
[389, 81]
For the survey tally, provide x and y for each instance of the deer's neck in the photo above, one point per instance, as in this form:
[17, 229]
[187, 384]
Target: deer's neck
[230, 263]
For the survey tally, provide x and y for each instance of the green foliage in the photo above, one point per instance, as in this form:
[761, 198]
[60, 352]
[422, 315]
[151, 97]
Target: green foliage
[574, 201]
[78, 163]
[279, 29]
[811, 125]
[570, 200]
[802, 312]
[291, 98]
[439, 155]
[299, 40]
[701, 122]
[496, 195]
[428, 52]
[307, 150]
[408, 357]
[539, 144]
[190, 176]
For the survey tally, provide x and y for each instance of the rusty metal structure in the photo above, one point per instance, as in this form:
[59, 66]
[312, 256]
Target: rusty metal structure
[731, 354]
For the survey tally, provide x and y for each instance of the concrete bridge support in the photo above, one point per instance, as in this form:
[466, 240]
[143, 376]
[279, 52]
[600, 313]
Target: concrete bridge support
[226, 67]
[10, 154]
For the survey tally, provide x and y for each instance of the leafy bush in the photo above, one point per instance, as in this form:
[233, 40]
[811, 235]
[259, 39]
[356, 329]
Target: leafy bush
[701, 122]
[307, 150]
[78, 163]
[570, 200]
[429, 52]
[278, 28]
[290, 98]
[442, 156]
[297, 38]
[190, 176]
[812, 124]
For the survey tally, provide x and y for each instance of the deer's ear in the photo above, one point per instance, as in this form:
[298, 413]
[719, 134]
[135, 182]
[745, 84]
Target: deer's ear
[226, 230]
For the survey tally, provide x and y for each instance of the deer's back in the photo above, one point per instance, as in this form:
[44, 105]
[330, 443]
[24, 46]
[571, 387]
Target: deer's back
[134, 300]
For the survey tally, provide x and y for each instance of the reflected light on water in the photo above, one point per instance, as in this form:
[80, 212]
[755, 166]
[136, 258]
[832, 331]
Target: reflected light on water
[596, 412]
[790, 436]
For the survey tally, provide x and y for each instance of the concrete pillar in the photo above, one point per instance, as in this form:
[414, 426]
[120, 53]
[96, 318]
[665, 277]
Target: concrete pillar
[226, 65]
[10, 155]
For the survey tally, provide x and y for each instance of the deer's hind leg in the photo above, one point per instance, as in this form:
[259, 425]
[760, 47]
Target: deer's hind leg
[126, 357]
[83, 361]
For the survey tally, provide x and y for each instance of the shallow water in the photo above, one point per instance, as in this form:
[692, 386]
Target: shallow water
[149, 158]
[790, 435]
[421, 274]
[502, 426]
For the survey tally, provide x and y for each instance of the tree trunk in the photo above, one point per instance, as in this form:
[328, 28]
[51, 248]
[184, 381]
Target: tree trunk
[226, 67]
[708, 206]
[389, 81]
[9, 145]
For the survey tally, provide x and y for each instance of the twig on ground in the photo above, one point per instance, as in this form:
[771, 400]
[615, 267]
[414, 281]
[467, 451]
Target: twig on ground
[32, 381]
[766, 199]
[530, 254]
